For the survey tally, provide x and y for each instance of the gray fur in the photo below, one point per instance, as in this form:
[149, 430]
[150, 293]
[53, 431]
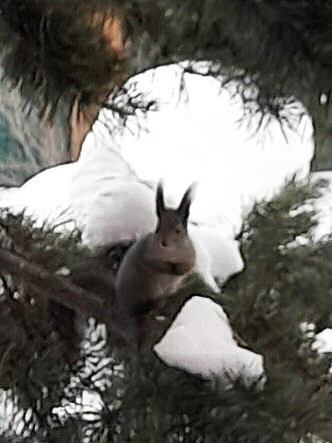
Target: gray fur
[156, 264]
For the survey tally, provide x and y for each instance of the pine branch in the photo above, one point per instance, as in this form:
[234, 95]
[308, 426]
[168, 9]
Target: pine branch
[59, 290]
[144, 400]
[287, 45]
[46, 285]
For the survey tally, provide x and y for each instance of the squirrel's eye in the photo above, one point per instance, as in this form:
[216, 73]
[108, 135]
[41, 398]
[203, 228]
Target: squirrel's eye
[177, 231]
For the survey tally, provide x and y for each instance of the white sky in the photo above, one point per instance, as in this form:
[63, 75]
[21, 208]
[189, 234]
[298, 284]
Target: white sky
[196, 136]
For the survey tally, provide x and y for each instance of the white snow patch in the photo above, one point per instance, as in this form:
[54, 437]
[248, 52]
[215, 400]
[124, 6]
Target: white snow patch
[323, 206]
[323, 342]
[45, 196]
[200, 341]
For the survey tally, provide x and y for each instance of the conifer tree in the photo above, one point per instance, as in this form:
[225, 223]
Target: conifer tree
[52, 355]
[272, 51]
[135, 396]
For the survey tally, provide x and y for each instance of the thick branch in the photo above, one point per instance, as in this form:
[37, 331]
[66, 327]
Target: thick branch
[59, 289]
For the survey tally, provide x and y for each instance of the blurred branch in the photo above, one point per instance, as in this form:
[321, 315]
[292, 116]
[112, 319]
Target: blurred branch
[56, 288]
[46, 285]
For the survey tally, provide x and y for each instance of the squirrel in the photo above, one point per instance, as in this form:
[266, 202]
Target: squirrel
[153, 268]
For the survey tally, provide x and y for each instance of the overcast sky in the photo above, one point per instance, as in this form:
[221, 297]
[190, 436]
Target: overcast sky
[197, 136]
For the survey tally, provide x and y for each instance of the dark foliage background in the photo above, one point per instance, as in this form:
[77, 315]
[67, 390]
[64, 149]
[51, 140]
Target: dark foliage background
[139, 398]
[286, 46]
[273, 51]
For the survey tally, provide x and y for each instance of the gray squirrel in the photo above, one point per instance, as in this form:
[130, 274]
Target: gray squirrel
[156, 264]
[153, 268]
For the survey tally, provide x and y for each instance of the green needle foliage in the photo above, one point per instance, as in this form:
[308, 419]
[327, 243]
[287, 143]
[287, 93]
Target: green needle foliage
[53, 52]
[137, 397]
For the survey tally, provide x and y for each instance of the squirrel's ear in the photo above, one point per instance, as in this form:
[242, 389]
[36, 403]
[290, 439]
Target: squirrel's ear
[160, 199]
[184, 206]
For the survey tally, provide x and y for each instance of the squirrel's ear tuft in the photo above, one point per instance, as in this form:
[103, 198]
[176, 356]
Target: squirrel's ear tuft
[160, 205]
[186, 201]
